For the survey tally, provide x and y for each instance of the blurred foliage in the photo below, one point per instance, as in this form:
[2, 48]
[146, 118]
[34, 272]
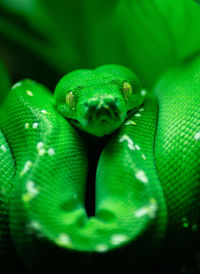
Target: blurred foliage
[65, 36]
[158, 34]
[4, 81]
[46, 39]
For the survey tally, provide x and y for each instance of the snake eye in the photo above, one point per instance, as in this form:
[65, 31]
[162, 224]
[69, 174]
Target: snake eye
[71, 99]
[127, 90]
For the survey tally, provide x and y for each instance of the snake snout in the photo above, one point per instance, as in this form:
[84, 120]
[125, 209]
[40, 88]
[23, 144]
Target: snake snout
[102, 109]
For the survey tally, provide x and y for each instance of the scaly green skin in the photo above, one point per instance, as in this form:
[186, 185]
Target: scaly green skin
[47, 217]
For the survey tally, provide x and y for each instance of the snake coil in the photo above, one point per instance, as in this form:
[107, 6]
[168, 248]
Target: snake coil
[146, 180]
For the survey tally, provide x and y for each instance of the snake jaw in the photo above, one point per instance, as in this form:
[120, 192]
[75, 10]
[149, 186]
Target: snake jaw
[101, 128]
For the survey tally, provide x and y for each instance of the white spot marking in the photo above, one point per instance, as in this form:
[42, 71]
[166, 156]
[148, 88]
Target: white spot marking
[40, 148]
[153, 207]
[27, 166]
[29, 93]
[63, 240]
[51, 151]
[197, 136]
[32, 191]
[141, 109]
[129, 141]
[118, 239]
[144, 157]
[44, 111]
[35, 125]
[137, 147]
[39, 145]
[140, 175]
[30, 186]
[101, 248]
[34, 227]
[141, 212]
[143, 92]
[137, 114]
[130, 123]
[26, 125]
[3, 148]
[149, 210]
[42, 151]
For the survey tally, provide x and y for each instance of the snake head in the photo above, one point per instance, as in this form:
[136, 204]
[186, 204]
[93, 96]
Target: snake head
[98, 101]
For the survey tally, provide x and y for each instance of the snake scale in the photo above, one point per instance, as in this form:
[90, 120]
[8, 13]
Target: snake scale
[144, 149]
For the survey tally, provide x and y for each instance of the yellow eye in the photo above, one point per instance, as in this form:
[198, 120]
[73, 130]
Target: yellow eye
[127, 90]
[71, 99]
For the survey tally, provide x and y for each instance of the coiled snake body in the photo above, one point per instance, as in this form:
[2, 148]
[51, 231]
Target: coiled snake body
[147, 177]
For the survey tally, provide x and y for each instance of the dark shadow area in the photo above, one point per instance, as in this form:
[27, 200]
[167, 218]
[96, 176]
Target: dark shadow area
[95, 146]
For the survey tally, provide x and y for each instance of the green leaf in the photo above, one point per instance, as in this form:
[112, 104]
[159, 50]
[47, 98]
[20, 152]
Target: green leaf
[157, 34]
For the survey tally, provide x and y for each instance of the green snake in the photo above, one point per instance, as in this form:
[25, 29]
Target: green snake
[101, 130]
